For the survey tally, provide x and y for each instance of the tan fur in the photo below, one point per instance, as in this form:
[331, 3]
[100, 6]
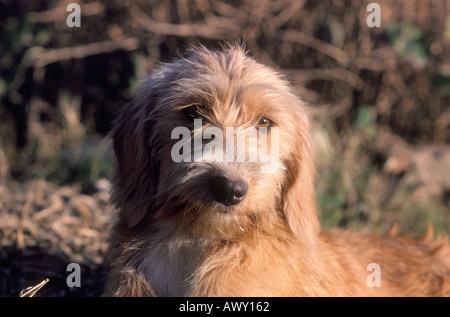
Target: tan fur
[172, 240]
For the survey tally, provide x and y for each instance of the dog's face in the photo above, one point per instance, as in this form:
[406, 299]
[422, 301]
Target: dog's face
[214, 146]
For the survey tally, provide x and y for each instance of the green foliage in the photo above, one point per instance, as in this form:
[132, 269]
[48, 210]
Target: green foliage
[408, 42]
[89, 161]
[441, 81]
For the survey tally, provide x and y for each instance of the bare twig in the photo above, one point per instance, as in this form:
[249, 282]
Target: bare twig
[287, 13]
[222, 28]
[64, 53]
[60, 13]
[304, 75]
[341, 56]
[379, 60]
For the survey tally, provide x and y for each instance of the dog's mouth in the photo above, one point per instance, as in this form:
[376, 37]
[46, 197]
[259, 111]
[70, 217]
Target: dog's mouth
[190, 207]
[211, 205]
[222, 196]
[203, 190]
[207, 218]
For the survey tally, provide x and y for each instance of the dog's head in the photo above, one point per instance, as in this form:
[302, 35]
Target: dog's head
[215, 145]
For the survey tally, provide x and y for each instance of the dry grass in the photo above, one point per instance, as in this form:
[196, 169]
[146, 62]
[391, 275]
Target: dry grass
[44, 228]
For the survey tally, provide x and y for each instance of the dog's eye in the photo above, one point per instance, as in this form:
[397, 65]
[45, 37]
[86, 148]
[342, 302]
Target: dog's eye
[265, 123]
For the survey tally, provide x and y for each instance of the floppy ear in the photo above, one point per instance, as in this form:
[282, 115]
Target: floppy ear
[137, 171]
[299, 197]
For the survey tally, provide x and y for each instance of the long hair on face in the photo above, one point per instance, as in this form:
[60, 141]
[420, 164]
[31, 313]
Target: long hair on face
[140, 132]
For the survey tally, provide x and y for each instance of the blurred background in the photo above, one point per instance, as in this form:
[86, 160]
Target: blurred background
[379, 98]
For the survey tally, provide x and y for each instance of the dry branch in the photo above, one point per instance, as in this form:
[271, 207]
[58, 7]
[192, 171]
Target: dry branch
[83, 51]
[60, 13]
[221, 28]
[341, 56]
[340, 74]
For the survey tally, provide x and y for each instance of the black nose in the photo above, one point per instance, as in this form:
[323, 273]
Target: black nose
[227, 191]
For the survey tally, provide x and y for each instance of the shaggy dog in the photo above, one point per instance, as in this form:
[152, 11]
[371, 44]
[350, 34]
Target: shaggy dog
[198, 226]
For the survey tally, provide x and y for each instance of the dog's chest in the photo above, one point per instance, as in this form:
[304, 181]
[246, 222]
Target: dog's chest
[169, 267]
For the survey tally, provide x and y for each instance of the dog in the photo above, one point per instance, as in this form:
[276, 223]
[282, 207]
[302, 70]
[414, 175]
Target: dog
[190, 224]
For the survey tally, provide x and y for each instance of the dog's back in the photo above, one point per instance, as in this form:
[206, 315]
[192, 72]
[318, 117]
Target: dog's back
[393, 265]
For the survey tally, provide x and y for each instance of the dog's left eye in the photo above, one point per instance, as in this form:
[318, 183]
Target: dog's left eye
[265, 123]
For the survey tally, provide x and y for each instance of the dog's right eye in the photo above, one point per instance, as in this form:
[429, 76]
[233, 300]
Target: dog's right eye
[265, 123]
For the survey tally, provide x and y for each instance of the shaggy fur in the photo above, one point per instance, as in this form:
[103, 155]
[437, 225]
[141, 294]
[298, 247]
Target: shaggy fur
[173, 239]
